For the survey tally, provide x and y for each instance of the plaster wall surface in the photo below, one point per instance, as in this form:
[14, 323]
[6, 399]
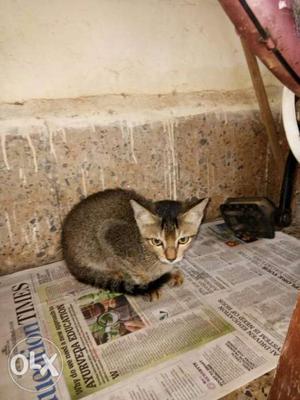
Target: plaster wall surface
[73, 48]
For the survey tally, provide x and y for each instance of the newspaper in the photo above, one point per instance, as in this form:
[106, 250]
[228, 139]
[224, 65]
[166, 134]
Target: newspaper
[221, 329]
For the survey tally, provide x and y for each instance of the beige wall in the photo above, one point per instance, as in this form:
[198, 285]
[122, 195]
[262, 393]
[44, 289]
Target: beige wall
[71, 48]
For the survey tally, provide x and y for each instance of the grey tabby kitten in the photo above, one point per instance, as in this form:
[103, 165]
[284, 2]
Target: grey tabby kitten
[118, 240]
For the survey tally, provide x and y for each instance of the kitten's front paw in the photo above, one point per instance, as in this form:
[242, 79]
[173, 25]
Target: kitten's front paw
[177, 279]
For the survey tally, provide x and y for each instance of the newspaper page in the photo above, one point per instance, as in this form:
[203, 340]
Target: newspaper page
[222, 328]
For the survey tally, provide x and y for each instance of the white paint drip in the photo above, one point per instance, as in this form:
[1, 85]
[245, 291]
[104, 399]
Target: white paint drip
[170, 177]
[51, 144]
[168, 169]
[27, 135]
[122, 130]
[34, 233]
[8, 225]
[168, 164]
[83, 181]
[102, 178]
[24, 233]
[48, 223]
[174, 158]
[127, 136]
[22, 176]
[165, 177]
[172, 163]
[131, 139]
[64, 135]
[4, 154]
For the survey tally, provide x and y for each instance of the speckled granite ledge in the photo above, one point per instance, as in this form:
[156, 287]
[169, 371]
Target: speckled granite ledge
[55, 152]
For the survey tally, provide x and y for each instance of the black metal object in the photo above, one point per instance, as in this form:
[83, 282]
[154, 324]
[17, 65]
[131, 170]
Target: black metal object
[258, 217]
[253, 217]
[283, 215]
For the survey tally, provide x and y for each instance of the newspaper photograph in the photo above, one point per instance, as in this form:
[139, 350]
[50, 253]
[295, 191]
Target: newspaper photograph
[61, 339]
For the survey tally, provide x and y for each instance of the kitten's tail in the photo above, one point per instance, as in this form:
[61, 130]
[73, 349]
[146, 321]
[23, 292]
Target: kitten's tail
[96, 278]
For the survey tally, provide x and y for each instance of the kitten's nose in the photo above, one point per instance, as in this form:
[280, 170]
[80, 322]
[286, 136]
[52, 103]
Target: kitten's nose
[170, 254]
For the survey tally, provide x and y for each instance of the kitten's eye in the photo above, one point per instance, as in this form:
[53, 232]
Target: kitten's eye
[184, 240]
[156, 242]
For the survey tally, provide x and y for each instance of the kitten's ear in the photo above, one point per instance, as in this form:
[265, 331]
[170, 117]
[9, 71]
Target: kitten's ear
[194, 216]
[143, 217]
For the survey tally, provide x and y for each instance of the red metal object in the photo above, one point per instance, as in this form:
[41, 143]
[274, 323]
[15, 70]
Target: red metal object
[269, 29]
